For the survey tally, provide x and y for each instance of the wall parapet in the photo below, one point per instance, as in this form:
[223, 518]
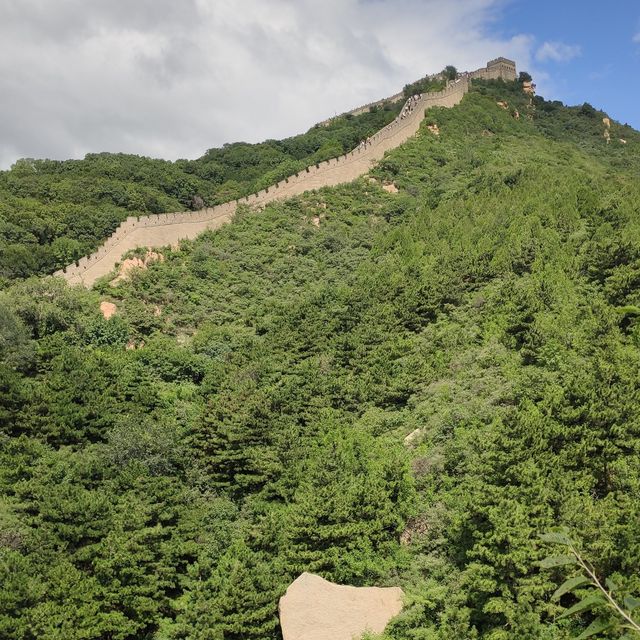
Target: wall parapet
[152, 229]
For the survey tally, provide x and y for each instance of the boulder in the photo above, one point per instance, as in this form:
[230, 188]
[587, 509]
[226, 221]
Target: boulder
[315, 609]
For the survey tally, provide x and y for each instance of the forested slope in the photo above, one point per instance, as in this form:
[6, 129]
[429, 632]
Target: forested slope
[174, 489]
[54, 212]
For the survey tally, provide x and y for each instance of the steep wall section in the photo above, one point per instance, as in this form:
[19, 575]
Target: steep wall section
[170, 228]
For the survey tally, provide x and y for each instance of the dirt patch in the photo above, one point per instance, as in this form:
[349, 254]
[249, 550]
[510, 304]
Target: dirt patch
[136, 263]
[315, 609]
[108, 309]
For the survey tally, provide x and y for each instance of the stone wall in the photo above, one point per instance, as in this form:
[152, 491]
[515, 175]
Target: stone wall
[170, 228]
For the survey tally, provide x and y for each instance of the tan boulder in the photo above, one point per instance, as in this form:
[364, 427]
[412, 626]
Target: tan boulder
[315, 609]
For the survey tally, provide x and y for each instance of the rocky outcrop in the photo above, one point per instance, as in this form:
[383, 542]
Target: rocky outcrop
[316, 609]
[136, 263]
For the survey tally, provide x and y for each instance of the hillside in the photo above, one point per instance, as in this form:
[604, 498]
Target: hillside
[167, 472]
[54, 212]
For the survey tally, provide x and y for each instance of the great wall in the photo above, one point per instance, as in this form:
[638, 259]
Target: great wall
[169, 228]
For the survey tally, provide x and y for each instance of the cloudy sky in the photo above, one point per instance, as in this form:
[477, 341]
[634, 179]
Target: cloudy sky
[172, 78]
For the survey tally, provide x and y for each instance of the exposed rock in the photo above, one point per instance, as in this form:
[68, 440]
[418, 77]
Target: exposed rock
[623, 141]
[316, 609]
[108, 309]
[503, 105]
[316, 221]
[434, 129]
[410, 440]
[529, 87]
[390, 188]
[607, 129]
[136, 263]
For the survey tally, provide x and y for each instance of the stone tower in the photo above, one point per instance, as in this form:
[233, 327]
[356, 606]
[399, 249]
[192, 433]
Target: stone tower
[501, 68]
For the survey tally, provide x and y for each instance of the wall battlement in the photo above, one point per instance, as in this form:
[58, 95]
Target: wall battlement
[169, 228]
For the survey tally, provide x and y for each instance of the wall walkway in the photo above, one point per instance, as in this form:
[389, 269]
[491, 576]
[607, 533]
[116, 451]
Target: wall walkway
[168, 229]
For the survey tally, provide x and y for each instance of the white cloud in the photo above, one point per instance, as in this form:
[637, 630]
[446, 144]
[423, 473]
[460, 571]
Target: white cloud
[557, 52]
[171, 79]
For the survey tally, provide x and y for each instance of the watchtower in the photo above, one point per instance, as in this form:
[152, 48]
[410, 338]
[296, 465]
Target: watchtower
[501, 68]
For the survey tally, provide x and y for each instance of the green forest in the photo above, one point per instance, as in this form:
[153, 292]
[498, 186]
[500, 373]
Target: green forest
[166, 473]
